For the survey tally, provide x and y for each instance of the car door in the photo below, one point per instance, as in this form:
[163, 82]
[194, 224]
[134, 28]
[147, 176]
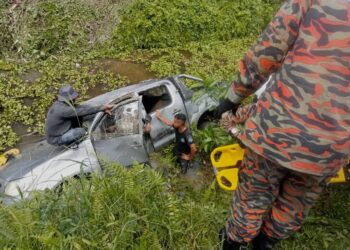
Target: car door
[171, 104]
[119, 137]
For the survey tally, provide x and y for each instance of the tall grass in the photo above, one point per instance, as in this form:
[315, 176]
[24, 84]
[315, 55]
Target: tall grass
[122, 209]
[139, 209]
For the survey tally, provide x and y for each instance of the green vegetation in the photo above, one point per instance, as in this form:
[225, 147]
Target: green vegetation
[162, 24]
[46, 43]
[122, 209]
[211, 137]
[43, 45]
[139, 209]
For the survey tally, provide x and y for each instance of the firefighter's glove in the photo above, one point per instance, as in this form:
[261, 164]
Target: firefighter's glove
[225, 105]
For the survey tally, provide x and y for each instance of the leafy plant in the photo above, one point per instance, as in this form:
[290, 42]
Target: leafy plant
[211, 137]
[122, 209]
[138, 208]
[161, 24]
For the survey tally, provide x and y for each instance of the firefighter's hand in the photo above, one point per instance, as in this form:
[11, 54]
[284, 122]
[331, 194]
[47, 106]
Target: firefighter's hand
[226, 121]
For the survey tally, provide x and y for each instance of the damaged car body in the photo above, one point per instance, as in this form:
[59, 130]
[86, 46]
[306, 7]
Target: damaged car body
[118, 137]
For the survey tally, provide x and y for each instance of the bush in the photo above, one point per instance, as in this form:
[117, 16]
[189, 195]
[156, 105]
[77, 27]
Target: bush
[211, 137]
[159, 24]
[6, 36]
[123, 209]
[42, 28]
[55, 26]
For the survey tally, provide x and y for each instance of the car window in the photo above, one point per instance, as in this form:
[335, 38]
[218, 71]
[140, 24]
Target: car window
[156, 98]
[123, 121]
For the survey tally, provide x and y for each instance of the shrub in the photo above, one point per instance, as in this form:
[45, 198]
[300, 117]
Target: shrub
[212, 137]
[159, 24]
[122, 209]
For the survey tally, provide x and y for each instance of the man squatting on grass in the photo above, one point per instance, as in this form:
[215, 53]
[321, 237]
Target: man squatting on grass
[185, 149]
[298, 134]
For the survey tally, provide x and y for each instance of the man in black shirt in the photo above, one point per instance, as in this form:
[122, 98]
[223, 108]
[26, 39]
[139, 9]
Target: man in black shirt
[185, 149]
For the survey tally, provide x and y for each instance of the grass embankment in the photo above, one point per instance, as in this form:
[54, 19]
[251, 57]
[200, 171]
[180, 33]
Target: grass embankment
[140, 209]
[46, 43]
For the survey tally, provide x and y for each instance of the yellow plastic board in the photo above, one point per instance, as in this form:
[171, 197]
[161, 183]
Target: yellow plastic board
[225, 161]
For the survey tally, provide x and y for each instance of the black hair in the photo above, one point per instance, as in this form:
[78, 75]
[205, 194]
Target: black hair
[181, 117]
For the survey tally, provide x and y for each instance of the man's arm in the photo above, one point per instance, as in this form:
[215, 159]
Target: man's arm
[191, 154]
[163, 119]
[71, 111]
[193, 150]
[268, 53]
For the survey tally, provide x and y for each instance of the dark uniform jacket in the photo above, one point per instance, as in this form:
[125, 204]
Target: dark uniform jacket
[63, 116]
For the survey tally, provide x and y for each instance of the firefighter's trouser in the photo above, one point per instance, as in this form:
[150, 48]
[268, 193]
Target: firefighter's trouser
[271, 199]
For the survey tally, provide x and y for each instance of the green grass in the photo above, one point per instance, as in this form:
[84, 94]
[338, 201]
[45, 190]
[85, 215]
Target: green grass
[63, 41]
[123, 209]
[141, 208]
[328, 225]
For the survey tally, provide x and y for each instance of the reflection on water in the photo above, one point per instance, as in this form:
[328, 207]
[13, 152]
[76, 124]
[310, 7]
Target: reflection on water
[30, 76]
[26, 138]
[135, 72]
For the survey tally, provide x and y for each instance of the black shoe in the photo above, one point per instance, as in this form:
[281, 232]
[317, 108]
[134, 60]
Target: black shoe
[263, 242]
[229, 244]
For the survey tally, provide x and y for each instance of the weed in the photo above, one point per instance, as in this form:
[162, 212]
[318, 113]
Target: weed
[61, 40]
[121, 209]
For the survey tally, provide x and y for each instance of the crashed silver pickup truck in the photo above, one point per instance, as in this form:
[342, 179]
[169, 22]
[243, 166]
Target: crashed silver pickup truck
[118, 137]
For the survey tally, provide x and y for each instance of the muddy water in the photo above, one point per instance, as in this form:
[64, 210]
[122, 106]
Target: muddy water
[30, 76]
[26, 138]
[134, 72]
[195, 176]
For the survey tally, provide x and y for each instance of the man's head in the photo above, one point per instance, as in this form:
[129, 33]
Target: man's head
[67, 94]
[179, 120]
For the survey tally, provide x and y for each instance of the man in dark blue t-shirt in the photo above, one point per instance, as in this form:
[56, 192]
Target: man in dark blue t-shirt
[185, 149]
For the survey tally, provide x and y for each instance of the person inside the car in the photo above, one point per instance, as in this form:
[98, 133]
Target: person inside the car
[65, 117]
[185, 149]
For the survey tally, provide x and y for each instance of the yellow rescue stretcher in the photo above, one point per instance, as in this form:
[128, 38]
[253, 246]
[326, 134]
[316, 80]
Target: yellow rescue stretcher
[226, 159]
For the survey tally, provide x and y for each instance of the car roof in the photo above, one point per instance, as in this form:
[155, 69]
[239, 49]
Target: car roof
[112, 95]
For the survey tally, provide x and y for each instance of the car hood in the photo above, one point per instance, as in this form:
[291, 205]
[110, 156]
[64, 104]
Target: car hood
[32, 156]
